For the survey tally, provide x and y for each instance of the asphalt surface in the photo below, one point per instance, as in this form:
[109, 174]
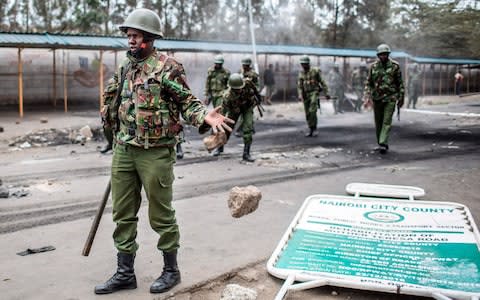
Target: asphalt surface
[435, 151]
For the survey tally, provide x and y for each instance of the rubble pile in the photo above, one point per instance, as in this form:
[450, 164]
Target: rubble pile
[55, 137]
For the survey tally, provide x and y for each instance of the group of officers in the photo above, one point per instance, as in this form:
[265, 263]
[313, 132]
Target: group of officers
[238, 94]
[144, 105]
[379, 86]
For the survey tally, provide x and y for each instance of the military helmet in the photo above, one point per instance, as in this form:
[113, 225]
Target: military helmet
[246, 60]
[235, 81]
[218, 59]
[304, 59]
[383, 48]
[145, 20]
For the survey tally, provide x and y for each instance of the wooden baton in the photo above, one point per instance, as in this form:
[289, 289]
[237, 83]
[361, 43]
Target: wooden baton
[96, 221]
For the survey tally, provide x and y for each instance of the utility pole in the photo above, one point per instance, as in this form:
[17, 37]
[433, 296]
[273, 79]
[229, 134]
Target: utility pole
[252, 35]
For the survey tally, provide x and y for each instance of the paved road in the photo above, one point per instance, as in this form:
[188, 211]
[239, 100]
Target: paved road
[436, 152]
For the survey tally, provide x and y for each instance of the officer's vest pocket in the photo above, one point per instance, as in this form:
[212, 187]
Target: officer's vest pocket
[148, 95]
[149, 124]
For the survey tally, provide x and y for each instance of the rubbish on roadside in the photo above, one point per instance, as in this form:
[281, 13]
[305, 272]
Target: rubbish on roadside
[1, 129]
[238, 292]
[25, 145]
[86, 132]
[243, 200]
[214, 141]
[43, 120]
[20, 193]
[36, 250]
[4, 192]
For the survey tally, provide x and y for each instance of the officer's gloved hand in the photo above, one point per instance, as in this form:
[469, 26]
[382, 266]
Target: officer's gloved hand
[400, 103]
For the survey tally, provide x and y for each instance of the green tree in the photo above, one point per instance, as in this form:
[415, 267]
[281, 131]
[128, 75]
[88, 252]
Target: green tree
[88, 16]
[439, 29]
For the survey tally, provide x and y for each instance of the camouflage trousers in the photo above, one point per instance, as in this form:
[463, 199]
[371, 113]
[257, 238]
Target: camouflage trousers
[217, 101]
[383, 112]
[413, 92]
[246, 123]
[132, 168]
[310, 105]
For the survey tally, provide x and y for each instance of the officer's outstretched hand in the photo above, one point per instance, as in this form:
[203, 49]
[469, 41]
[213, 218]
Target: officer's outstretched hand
[217, 121]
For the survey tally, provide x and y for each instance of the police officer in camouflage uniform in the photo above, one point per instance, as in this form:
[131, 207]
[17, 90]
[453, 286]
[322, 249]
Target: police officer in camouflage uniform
[336, 86]
[384, 90]
[414, 78]
[239, 100]
[359, 77]
[142, 105]
[216, 83]
[309, 85]
[247, 72]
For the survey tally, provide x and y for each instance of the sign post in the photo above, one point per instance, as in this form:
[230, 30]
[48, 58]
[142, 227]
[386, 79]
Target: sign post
[424, 248]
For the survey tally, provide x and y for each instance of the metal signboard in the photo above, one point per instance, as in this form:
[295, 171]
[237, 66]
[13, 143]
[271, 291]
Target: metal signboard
[424, 248]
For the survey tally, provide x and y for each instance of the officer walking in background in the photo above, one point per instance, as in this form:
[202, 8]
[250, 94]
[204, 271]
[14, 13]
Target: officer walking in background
[384, 90]
[216, 83]
[269, 84]
[309, 85]
[247, 72]
[359, 77]
[239, 100]
[458, 82]
[336, 86]
[142, 104]
[414, 77]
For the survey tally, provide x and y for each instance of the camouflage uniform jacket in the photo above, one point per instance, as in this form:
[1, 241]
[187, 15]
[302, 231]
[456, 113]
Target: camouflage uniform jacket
[252, 75]
[311, 81]
[240, 100]
[336, 83]
[153, 96]
[359, 78]
[384, 82]
[414, 78]
[217, 80]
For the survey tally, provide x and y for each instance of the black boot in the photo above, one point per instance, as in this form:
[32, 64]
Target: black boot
[106, 148]
[313, 132]
[383, 148]
[218, 151]
[246, 153]
[179, 151]
[170, 276]
[124, 279]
